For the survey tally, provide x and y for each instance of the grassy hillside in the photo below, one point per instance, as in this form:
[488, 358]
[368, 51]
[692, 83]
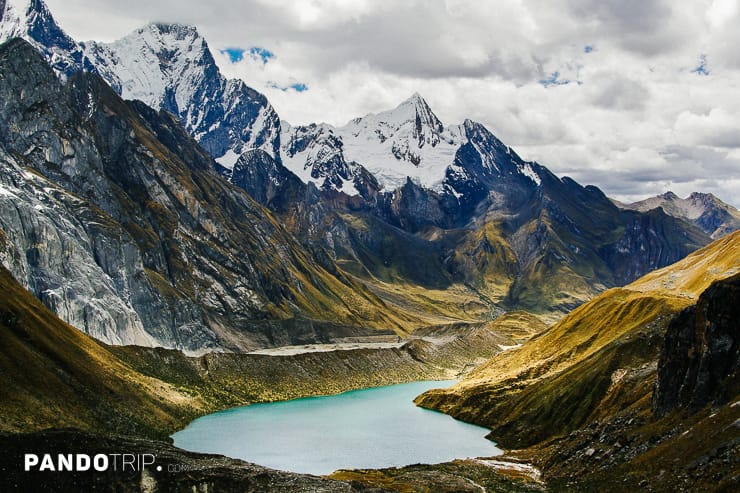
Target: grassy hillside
[583, 388]
[53, 375]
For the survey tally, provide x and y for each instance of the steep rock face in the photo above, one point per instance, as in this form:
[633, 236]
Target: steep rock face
[65, 251]
[193, 257]
[651, 238]
[700, 360]
[265, 179]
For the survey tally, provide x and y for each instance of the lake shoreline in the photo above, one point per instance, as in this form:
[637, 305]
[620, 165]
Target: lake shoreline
[367, 428]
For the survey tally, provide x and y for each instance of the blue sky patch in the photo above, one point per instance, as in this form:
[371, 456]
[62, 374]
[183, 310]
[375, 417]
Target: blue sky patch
[702, 68]
[262, 54]
[588, 48]
[554, 80]
[235, 54]
[296, 86]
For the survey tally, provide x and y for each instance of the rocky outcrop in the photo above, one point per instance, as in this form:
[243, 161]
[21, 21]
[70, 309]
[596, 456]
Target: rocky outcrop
[700, 360]
[266, 180]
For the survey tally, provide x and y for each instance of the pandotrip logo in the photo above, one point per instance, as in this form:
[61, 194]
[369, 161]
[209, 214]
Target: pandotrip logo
[122, 462]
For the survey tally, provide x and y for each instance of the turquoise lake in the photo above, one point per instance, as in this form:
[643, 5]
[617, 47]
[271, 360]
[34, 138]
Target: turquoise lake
[369, 428]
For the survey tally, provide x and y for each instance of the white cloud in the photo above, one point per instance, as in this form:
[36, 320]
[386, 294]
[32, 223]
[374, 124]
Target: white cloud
[639, 123]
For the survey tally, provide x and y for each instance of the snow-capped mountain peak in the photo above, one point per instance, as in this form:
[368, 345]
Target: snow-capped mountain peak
[413, 116]
[159, 64]
[408, 141]
[32, 21]
[170, 67]
[13, 18]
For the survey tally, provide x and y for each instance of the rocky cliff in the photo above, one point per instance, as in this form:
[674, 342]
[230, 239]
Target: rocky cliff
[700, 360]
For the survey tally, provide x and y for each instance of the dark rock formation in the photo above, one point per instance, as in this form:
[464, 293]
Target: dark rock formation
[700, 360]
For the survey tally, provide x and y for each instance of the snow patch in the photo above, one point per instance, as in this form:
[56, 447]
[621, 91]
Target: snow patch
[229, 159]
[527, 170]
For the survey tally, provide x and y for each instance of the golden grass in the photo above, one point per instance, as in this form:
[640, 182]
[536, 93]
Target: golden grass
[613, 314]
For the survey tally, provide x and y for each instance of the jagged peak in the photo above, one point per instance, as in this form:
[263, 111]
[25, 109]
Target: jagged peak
[703, 196]
[669, 195]
[180, 31]
[165, 35]
[24, 11]
[32, 19]
[413, 109]
[415, 100]
[416, 108]
[474, 130]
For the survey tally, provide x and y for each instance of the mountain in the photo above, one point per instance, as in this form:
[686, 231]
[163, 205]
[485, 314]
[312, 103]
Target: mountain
[505, 229]
[406, 142]
[119, 222]
[32, 20]
[706, 211]
[582, 395]
[167, 66]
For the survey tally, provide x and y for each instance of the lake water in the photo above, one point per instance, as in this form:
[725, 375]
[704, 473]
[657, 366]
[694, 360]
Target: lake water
[370, 428]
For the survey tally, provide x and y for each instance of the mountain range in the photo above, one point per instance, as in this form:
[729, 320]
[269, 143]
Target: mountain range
[706, 211]
[392, 221]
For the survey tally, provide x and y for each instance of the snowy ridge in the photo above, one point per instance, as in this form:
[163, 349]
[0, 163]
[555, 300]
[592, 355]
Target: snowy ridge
[32, 21]
[406, 142]
[168, 67]
[314, 153]
[13, 20]
[154, 62]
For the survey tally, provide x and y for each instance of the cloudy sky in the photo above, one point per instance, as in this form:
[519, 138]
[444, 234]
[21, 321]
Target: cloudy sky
[635, 96]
